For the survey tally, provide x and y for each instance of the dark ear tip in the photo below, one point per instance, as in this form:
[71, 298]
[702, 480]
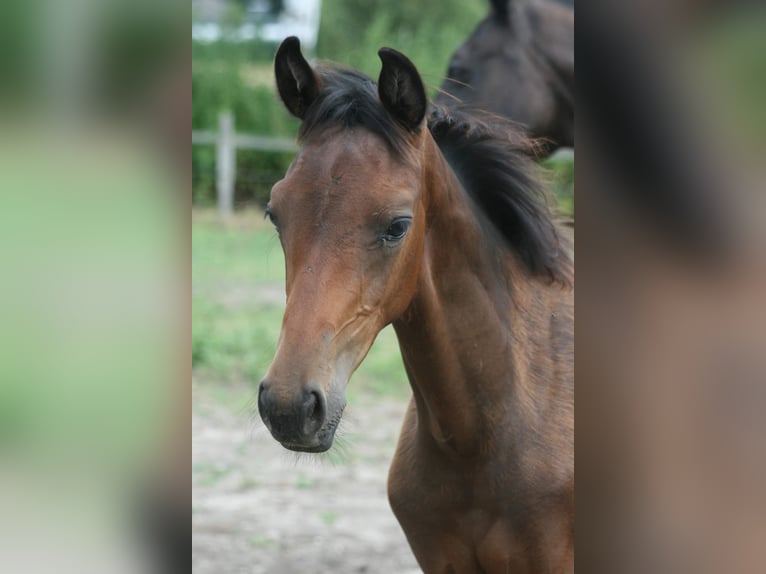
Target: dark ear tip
[297, 83]
[389, 57]
[389, 54]
[400, 88]
[289, 44]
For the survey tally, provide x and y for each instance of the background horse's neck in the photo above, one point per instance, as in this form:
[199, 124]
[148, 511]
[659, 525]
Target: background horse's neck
[463, 343]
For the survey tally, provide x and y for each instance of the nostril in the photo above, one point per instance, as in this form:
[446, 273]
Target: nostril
[309, 406]
[262, 389]
[313, 412]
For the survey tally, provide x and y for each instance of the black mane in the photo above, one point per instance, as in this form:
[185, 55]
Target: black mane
[491, 160]
[350, 99]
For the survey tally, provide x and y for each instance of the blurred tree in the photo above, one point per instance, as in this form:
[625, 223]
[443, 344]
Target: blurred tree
[344, 22]
[427, 31]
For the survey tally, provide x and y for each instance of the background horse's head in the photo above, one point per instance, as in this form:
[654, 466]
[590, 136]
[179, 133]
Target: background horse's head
[519, 63]
[351, 225]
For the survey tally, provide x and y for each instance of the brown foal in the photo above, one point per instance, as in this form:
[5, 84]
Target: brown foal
[439, 227]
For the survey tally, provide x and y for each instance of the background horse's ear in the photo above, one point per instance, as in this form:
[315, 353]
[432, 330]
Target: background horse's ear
[297, 83]
[401, 90]
[500, 8]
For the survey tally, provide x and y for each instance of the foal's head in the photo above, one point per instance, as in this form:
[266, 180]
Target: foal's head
[351, 222]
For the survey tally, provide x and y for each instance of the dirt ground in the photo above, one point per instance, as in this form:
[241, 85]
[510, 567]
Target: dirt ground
[257, 508]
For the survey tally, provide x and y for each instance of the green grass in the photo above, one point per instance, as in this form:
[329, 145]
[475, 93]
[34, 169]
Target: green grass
[260, 541]
[208, 474]
[304, 483]
[246, 251]
[328, 518]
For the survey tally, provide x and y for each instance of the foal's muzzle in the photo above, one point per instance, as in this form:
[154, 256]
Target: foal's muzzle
[296, 423]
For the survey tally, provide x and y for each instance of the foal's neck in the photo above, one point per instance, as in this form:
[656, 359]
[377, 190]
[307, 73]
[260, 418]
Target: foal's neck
[462, 338]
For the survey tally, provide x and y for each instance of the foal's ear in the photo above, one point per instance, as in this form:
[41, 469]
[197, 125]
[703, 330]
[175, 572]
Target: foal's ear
[297, 83]
[401, 90]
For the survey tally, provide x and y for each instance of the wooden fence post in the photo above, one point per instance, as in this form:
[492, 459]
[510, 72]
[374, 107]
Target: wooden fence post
[226, 164]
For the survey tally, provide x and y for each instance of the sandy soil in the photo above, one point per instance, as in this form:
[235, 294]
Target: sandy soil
[257, 508]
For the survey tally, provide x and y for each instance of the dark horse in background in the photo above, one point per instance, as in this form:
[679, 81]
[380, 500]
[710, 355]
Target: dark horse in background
[437, 224]
[519, 63]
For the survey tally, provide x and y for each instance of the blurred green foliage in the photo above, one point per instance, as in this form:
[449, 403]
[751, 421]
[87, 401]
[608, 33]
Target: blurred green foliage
[89, 326]
[558, 173]
[238, 77]
[733, 53]
[427, 31]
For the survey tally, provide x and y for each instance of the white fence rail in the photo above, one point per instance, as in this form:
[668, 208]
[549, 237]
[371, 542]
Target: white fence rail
[227, 141]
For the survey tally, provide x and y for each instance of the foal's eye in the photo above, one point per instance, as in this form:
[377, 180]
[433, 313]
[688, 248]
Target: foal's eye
[271, 217]
[397, 229]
